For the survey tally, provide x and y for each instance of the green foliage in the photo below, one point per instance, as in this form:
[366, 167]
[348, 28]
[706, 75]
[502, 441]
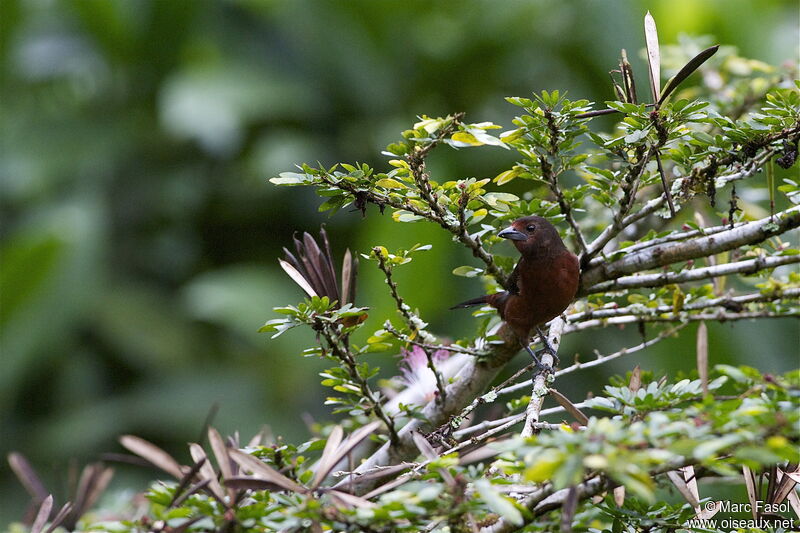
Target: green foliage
[600, 187]
[660, 428]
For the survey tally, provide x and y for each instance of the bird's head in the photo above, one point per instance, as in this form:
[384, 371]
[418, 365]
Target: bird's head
[533, 236]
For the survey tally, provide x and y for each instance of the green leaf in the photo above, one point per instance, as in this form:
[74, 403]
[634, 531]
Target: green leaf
[465, 139]
[468, 271]
[390, 183]
[405, 216]
[289, 178]
[498, 503]
[508, 175]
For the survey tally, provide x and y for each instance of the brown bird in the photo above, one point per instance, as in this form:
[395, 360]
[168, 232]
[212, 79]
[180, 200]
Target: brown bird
[542, 285]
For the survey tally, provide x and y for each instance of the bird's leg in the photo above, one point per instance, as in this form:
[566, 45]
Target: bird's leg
[536, 360]
[547, 347]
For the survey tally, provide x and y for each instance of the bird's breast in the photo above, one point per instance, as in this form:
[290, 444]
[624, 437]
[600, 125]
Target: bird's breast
[548, 285]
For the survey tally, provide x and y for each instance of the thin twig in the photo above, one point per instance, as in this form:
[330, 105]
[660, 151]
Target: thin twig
[720, 316]
[455, 348]
[630, 188]
[728, 302]
[666, 254]
[411, 319]
[750, 266]
[599, 360]
[350, 365]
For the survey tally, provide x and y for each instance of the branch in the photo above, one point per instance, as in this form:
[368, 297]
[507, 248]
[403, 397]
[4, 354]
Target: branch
[672, 237]
[728, 302]
[350, 364]
[601, 359]
[552, 179]
[750, 266]
[412, 320]
[470, 382]
[442, 218]
[668, 253]
[657, 203]
[540, 385]
[427, 346]
[720, 316]
[546, 498]
[630, 186]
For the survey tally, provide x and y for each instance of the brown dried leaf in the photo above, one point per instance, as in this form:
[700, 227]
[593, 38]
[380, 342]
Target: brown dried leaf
[297, 277]
[636, 379]
[341, 451]
[59, 518]
[786, 485]
[424, 447]
[569, 407]
[206, 470]
[246, 483]
[402, 480]
[619, 495]
[153, 454]
[794, 501]
[343, 499]
[627, 78]
[220, 449]
[478, 454]
[93, 482]
[325, 462]
[27, 476]
[687, 71]
[691, 480]
[752, 492]
[430, 454]
[43, 515]
[264, 471]
[349, 272]
[702, 355]
[683, 488]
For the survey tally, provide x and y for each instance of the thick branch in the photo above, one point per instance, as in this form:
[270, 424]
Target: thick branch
[655, 204]
[666, 278]
[668, 253]
[672, 237]
[471, 381]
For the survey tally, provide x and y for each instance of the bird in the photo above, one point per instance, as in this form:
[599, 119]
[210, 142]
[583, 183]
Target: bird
[543, 284]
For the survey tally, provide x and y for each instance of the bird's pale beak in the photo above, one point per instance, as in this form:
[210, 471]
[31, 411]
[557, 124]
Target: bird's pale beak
[513, 234]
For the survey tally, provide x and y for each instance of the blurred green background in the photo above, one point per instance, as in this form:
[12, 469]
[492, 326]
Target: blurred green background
[139, 234]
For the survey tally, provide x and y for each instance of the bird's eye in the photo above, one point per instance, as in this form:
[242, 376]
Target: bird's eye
[531, 227]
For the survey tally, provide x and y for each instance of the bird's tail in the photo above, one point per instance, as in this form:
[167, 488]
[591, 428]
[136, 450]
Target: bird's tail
[480, 300]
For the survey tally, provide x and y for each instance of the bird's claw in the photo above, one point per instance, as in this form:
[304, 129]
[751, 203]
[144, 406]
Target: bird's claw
[540, 367]
[549, 349]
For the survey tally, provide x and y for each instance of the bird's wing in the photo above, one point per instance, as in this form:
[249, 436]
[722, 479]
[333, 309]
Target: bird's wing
[513, 280]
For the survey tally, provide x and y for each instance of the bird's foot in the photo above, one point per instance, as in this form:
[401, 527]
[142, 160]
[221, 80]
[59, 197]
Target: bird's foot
[548, 348]
[540, 367]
